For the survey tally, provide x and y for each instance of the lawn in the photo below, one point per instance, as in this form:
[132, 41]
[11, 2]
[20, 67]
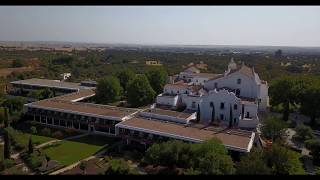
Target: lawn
[21, 140]
[41, 139]
[69, 151]
[36, 139]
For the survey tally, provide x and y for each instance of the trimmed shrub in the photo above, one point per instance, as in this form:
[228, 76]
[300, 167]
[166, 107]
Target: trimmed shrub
[46, 132]
[33, 130]
[57, 135]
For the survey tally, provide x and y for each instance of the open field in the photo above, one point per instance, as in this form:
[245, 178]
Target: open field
[7, 71]
[69, 151]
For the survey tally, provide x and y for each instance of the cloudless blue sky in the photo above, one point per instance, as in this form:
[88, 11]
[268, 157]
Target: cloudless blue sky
[197, 25]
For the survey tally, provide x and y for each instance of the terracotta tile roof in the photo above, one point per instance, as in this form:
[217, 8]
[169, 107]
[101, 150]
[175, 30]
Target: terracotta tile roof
[192, 69]
[233, 139]
[205, 75]
[216, 77]
[244, 70]
[177, 85]
[246, 100]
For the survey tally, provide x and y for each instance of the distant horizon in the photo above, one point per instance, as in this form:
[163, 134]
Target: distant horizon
[79, 42]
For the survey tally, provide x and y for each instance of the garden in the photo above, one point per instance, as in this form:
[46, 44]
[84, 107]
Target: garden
[67, 152]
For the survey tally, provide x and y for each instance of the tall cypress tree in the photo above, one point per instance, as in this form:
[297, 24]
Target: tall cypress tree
[231, 117]
[30, 146]
[6, 118]
[213, 113]
[198, 113]
[7, 145]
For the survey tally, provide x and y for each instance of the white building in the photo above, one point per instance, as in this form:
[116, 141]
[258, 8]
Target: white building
[232, 98]
[65, 76]
[244, 81]
[222, 107]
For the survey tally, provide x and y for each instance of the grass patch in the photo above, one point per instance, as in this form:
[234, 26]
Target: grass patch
[20, 140]
[40, 139]
[1, 153]
[15, 170]
[69, 151]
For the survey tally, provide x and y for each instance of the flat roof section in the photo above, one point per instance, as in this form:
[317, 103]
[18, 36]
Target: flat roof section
[49, 83]
[83, 108]
[177, 114]
[232, 139]
[77, 96]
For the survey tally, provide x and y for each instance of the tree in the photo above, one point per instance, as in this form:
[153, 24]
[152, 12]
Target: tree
[108, 89]
[83, 166]
[209, 157]
[213, 113]
[124, 76]
[140, 92]
[231, 117]
[6, 118]
[47, 93]
[303, 133]
[198, 113]
[2, 115]
[46, 132]
[33, 130]
[253, 163]
[310, 102]
[118, 167]
[7, 145]
[157, 77]
[30, 146]
[36, 94]
[273, 128]
[282, 92]
[17, 63]
[314, 146]
[14, 104]
[278, 53]
[282, 160]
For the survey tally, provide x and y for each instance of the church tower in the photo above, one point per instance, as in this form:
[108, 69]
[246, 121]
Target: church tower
[232, 65]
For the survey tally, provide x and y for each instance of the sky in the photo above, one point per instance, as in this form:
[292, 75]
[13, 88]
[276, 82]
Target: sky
[163, 25]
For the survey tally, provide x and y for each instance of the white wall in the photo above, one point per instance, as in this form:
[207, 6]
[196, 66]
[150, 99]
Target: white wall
[176, 90]
[167, 100]
[167, 117]
[217, 97]
[263, 95]
[199, 80]
[248, 87]
[188, 101]
[248, 123]
[252, 109]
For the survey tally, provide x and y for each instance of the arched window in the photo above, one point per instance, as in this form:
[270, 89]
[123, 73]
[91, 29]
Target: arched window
[239, 81]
